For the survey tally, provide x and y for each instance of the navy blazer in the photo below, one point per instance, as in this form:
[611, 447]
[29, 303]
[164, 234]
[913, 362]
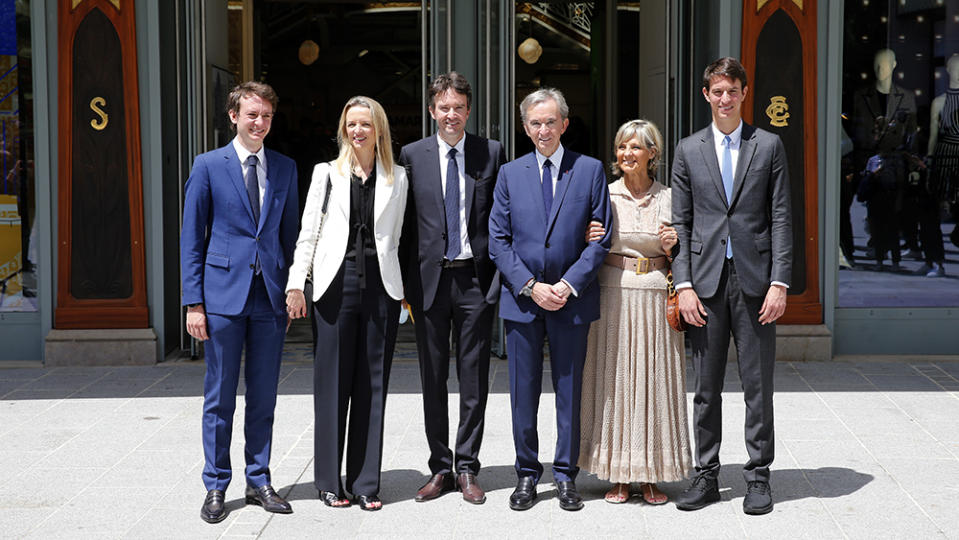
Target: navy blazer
[526, 243]
[220, 241]
[424, 232]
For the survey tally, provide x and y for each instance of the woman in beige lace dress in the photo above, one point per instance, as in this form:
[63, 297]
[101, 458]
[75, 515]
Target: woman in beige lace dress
[633, 413]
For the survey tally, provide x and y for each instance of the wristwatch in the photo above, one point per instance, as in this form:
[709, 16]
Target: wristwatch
[527, 291]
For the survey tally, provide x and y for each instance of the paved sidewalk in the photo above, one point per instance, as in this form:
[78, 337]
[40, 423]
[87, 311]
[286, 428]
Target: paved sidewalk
[864, 450]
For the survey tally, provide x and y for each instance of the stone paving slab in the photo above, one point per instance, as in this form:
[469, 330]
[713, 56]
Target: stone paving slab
[864, 450]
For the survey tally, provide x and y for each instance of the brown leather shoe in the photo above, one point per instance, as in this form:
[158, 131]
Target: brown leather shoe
[472, 492]
[437, 485]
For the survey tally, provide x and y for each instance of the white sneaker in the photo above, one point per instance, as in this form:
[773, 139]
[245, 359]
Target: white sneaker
[937, 271]
[924, 269]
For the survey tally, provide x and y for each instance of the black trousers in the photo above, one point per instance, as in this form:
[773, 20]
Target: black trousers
[731, 310]
[930, 229]
[459, 306]
[356, 331]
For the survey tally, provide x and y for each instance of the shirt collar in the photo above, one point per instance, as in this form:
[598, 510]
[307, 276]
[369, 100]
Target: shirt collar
[243, 153]
[445, 147]
[734, 137]
[556, 159]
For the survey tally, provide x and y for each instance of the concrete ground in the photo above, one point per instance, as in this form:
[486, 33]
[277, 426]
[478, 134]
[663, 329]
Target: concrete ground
[864, 450]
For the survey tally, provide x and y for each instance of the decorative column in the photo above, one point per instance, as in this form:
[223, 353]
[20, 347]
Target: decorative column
[100, 274]
[779, 53]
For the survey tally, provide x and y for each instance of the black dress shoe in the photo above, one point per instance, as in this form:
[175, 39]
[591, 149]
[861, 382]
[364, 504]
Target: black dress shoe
[569, 498]
[759, 498]
[703, 491]
[268, 499]
[213, 510]
[524, 495]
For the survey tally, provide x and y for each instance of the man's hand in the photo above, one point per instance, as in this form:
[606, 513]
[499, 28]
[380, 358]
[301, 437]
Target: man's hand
[547, 298]
[295, 304]
[595, 232]
[691, 308]
[561, 289]
[774, 305]
[196, 322]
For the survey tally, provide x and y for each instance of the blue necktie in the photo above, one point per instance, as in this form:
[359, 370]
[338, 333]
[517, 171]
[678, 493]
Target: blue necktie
[452, 200]
[727, 172]
[547, 187]
[253, 192]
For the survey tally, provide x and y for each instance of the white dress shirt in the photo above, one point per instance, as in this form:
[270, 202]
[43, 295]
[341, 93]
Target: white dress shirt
[466, 252]
[243, 154]
[555, 160]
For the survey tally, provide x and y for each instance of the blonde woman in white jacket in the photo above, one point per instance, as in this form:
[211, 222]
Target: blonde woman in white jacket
[348, 244]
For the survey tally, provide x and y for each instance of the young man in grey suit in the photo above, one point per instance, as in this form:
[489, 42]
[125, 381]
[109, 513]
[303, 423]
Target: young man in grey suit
[450, 280]
[731, 210]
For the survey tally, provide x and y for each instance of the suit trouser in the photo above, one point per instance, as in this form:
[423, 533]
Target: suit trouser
[730, 309]
[356, 331]
[459, 303]
[261, 330]
[567, 351]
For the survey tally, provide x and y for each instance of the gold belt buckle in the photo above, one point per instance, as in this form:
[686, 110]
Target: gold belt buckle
[642, 265]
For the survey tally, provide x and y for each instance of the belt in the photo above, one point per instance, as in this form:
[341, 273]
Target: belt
[641, 265]
[457, 263]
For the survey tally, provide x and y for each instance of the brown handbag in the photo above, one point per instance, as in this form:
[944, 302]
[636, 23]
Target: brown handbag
[673, 316]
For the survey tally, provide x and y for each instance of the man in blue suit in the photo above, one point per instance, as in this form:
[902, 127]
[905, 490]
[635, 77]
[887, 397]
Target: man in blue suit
[542, 205]
[239, 230]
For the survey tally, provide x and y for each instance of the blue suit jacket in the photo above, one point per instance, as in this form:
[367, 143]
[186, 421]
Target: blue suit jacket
[526, 243]
[220, 241]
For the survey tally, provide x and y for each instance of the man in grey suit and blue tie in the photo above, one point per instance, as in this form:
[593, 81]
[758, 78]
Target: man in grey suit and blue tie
[731, 211]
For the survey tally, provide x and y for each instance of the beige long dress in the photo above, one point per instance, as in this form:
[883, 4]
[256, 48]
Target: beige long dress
[633, 415]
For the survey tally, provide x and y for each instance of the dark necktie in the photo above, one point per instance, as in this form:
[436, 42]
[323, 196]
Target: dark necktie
[547, 187]
[727, 172]
[253, 192]
[253, 186]
[452, 206]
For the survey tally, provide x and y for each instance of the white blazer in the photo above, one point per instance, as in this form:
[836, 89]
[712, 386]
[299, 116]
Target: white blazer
[329, 247]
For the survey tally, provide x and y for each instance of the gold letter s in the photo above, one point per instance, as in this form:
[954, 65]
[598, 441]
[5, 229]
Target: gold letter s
[95, 105]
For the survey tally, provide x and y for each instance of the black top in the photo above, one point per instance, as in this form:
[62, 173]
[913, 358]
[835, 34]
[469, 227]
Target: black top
[361, 222]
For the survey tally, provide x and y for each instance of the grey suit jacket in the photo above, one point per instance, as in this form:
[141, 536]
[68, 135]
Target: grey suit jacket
[758, 219]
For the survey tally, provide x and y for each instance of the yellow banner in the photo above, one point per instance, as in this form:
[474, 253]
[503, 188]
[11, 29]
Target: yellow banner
[10, 259]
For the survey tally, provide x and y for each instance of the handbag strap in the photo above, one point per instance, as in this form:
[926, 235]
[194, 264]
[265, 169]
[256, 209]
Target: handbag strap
[322, 219]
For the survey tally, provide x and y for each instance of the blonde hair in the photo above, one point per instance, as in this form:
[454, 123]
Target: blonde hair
[384, 144]
[648, 135]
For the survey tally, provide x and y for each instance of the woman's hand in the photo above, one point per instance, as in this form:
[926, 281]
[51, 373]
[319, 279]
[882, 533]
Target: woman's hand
[295, 304]
[595, 232]
[667, 235]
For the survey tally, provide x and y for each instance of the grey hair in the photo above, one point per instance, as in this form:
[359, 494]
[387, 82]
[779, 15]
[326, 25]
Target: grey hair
[648, 135]
[541, 95]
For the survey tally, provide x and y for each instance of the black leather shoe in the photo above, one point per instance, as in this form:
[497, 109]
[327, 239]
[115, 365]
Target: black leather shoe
[569, 498]
[759, 498]
[268, 499]
[213, 511]
[524, 495]
[703, 491]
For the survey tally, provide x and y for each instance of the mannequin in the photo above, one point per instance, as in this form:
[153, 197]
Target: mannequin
[944, 144]
[884, 124]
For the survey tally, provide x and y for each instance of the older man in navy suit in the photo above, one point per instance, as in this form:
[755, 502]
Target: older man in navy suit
[543, 202]
[239, 231]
